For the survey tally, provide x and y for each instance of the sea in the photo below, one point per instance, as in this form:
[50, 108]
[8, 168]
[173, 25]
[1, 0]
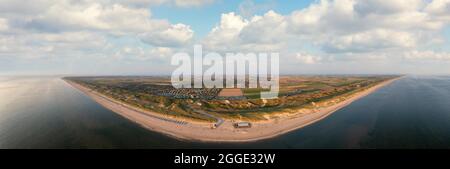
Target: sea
[46, 112]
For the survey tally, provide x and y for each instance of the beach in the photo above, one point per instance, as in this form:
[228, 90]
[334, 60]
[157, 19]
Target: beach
[198, 131]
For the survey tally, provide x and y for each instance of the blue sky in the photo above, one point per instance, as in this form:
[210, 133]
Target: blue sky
[141, 36]
[203, 18]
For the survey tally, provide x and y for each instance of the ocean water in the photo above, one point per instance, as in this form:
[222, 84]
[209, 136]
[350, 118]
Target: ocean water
[45, 112]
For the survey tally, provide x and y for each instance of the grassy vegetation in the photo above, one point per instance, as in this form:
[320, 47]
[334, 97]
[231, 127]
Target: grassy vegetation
[254, 93]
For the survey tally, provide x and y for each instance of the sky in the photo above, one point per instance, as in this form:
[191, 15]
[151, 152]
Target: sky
[139, 37]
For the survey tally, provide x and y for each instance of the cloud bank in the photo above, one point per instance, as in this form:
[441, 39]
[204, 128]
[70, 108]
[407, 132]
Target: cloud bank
[327, 33]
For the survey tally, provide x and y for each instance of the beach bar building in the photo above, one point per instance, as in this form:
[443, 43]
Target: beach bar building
[242, 125]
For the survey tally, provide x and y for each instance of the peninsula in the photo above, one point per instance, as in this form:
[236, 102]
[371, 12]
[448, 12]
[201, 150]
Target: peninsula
[226, 115]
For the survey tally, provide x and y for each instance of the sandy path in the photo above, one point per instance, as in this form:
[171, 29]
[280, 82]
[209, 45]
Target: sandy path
[184, 129]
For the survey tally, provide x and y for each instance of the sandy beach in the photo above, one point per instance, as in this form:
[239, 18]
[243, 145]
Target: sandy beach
[191, 130]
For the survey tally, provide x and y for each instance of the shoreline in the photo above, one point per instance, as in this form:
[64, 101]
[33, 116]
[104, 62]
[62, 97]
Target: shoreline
[199, 131]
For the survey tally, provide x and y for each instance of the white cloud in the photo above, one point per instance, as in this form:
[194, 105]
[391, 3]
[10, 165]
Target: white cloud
[109, 17]
[176, 35]
[427, 55]
[144, 54]
[162, 52]
[3, 24]
[260, 33]
[63, 28]
[224, 35]
[307, 58]
[383, 8]
[357, 26]
[369, 41]
[334, 27]
[248, 8]
[344, 30]
[113, 18]
[438, 7]
[178, 3]
[44, 45]
[190, 3]
[24, 7]
[140, 3]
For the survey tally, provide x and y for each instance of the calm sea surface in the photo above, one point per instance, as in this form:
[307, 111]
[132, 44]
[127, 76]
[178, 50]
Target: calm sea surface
[45, 112]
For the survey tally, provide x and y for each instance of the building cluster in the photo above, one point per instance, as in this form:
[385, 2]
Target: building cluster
[189, 93]
[169, 91]
[184, 93]
[161, 90]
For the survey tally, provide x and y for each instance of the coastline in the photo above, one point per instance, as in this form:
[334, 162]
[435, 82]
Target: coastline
[196, 131]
